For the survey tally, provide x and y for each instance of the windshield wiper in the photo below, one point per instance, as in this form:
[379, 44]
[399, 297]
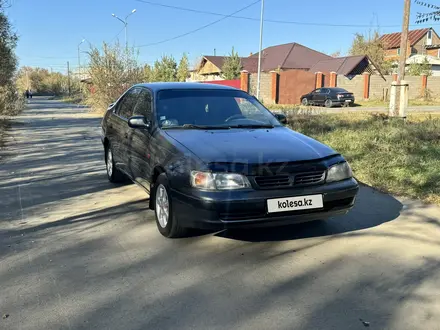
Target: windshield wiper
[252, 126]
[192, 126]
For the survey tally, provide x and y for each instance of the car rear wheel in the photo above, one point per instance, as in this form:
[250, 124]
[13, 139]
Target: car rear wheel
[113, 174]
[328, 103]
[304, 101]
[167, 222]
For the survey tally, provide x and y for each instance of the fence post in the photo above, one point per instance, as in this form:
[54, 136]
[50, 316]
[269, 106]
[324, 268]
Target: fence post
[319, 79]
[366, 86]
[424, 85]
[333, 79]
[274, 86]
[244, 81]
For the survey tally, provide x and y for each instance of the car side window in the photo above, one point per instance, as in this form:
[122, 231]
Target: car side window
[144, 104]
[126, 106]
[317, 91]
[326, 91]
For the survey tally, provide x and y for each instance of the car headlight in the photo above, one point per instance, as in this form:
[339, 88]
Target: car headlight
[218, 181]
[339, 172]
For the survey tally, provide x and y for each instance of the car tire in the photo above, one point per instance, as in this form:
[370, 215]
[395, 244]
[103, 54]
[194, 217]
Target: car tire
[328, 103]
[113, 174]
[305, 102]
[166, 220]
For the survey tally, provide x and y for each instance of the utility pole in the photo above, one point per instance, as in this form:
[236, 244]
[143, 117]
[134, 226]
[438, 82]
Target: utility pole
[68, 76]
[261, 49]
[404, 40]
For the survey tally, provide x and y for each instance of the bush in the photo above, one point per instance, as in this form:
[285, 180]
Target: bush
[112, 71]
[11, 102]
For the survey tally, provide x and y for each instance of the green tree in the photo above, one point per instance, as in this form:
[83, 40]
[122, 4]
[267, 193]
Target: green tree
[148, 73]
[372, 46]
[183, 69]
[8, 64]
[231, 66]
[418, 69]
[165, 69]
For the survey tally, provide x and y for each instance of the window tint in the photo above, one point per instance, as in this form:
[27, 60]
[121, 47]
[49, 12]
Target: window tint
[144, 105]
[317, 91]
[325, 91]
[339, 90]
[126, 106]
[210, 107]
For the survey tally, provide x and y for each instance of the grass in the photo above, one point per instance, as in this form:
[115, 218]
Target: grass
[359, 104]
[412, 102]
[398, 157]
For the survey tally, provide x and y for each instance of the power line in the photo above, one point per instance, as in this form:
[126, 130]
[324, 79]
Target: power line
[116, 36]
[266, 20]
[200, 28]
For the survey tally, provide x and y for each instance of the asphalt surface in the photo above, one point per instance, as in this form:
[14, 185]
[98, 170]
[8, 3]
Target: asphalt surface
[77, 252]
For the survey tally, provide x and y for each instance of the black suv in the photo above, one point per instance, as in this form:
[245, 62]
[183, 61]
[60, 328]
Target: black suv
[212, 156]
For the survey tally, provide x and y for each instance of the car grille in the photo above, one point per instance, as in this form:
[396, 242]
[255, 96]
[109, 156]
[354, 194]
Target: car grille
[280, 181]
[309, 178]
[273, 181]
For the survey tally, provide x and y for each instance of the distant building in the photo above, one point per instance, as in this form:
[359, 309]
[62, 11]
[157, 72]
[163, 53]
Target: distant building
[420, 42]
[287, 57]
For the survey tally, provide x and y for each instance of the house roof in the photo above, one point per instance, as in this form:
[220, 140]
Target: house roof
[340, 65]
[289, 56]
[248, 63]
[392, 40]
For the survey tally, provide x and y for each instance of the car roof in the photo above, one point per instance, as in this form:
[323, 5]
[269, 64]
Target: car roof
[158, 86]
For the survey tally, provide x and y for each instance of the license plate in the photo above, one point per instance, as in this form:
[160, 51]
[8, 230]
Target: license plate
[347, 101]
[294, 203]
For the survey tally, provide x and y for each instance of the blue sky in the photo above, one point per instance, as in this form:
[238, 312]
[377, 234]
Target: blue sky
[50, 30]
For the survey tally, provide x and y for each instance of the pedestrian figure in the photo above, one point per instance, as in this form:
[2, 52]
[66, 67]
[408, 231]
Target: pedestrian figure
[27, 93]
[30, 93]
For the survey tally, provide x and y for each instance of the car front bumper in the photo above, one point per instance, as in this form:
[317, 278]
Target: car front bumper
[220, 210]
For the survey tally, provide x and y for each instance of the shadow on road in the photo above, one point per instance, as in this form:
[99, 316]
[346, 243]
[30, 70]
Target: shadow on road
[372, 209]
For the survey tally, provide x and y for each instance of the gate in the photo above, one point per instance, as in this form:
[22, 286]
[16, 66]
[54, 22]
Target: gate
[293, 84]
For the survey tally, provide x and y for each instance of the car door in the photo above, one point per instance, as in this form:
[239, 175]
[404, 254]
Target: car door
[120, 143]
[315, 96]
[140, 153]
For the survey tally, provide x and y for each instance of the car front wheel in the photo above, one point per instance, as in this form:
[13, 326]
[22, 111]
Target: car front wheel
[328, 103]
[167, 222]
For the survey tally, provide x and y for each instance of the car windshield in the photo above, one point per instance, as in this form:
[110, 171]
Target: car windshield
[202, 109]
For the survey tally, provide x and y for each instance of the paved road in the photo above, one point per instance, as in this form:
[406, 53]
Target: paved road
[79, 253]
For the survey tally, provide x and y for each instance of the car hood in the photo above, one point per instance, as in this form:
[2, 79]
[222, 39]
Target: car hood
[252, 146]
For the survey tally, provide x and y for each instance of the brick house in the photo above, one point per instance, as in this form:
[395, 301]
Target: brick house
[291, 56]
[420, 42]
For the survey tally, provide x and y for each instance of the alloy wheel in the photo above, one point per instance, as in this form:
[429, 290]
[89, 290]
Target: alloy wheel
[162, 206]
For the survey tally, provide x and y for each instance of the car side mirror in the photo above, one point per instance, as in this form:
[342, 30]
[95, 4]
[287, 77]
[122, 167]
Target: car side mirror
[138, 122]
[281, 118]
